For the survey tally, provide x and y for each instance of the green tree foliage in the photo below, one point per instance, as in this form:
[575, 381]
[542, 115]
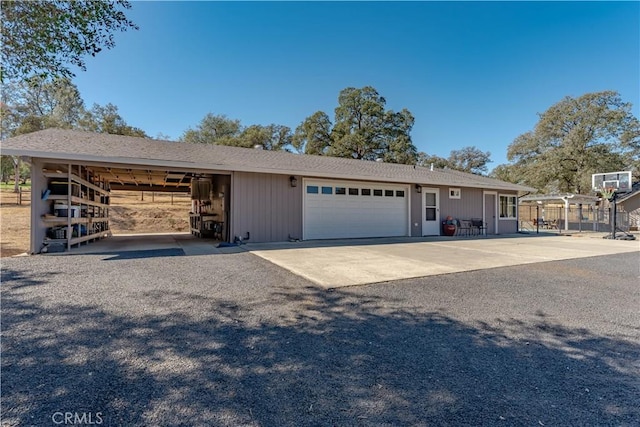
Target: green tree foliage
[362, 129]
[271, 137]
[313, 135]
[45, 36]
[107, 119]
[40, 102]
[214, 129]
[221, 130]
[426, 160]
[470, 159]
[34, 104]
[573, 139]
[467, 159]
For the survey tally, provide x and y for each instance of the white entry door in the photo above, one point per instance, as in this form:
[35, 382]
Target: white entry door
[430, 211]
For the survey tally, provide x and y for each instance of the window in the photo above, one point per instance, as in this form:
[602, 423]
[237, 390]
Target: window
[508, 207]
[341, 190]
[312, 189]
[377, 193]
[366, 192]
[399, 193]
[388, 193]
[454, 193]
[327, 190]
[353, 192]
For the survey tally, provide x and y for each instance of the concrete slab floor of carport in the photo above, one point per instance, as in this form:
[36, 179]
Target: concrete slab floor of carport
[333, 264]
[185, 242]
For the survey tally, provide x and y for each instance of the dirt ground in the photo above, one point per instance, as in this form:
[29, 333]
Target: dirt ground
[131, 212]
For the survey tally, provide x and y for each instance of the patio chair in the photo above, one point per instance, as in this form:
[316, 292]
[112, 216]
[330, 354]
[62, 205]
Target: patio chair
[477, 226]
[463, 227]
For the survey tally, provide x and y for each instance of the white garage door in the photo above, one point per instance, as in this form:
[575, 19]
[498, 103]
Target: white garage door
[337, 209]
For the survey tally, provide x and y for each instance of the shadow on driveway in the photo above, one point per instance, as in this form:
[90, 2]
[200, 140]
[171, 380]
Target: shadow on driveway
[333, 359]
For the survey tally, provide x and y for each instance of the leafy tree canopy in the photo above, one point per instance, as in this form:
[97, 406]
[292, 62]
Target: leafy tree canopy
[45, 36]
[467, 159]
[313, 135]
[39, 102]
[363, 129]
[221, 130]
[107, 119]
[573, 139]
[470, 159]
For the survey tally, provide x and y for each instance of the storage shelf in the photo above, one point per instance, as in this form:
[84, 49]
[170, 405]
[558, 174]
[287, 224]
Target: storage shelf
[76, 178]
[86, 197]
[64, 221]
[78, 200]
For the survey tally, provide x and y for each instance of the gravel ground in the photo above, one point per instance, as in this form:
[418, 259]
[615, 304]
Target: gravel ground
[161, 339]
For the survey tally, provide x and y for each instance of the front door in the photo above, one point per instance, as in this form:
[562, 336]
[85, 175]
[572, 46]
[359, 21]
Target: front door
[490, 212]
[430, 212]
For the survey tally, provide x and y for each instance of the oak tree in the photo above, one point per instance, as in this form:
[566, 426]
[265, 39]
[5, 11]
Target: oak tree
[46, 36]
[575, 138]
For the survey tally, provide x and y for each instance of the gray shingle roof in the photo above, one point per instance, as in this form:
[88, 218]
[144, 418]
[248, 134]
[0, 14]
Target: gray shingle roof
[77, 146]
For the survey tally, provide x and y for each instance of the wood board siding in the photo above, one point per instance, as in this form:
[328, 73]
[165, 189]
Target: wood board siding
[266, 207]
[468, 206]
[415, 211]
[632, 206]
[507, 226]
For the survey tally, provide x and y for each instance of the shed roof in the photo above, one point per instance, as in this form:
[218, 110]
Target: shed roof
[78, 146]
[635, 191]
[573, 199]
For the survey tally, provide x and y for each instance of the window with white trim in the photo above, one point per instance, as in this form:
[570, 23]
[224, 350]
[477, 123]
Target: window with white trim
[508, 207]
[454, 193]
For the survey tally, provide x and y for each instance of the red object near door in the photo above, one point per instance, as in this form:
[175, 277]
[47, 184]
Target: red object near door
[449, 226]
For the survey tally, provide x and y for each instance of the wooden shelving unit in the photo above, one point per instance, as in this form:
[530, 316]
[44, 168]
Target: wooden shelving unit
[91, 202]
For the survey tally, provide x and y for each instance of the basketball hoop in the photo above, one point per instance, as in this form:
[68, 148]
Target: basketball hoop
[608, 192]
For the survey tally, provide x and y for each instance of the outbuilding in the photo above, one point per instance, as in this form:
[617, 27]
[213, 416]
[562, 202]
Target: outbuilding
[266, 196]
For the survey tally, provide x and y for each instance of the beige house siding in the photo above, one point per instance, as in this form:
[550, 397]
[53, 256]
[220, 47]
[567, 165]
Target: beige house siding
[468, 206]
[266, 207]
[415, 212]
[632, 207]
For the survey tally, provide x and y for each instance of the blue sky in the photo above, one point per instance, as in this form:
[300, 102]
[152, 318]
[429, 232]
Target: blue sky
[472, 73]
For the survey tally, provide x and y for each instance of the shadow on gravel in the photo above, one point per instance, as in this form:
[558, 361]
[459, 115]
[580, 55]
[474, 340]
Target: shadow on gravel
[334, 359]
[149, 253]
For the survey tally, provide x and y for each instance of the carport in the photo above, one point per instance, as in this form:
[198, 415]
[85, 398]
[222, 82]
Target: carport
[87, 188]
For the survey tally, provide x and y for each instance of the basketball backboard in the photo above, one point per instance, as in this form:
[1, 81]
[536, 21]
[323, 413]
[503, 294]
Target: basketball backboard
[620, 181]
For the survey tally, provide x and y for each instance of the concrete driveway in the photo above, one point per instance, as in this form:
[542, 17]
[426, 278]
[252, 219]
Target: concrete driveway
[340, 263]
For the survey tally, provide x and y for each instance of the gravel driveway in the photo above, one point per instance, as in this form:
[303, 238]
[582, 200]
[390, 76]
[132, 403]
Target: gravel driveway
[156, 338]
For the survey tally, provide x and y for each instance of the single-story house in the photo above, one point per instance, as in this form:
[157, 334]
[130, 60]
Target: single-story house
[267, 196]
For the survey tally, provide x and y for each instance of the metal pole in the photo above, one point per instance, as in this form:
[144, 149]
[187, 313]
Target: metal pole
[537, 219]
[613, 217]
[580, 217]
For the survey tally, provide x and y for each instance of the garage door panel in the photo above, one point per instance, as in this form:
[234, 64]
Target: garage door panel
[328, 216]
